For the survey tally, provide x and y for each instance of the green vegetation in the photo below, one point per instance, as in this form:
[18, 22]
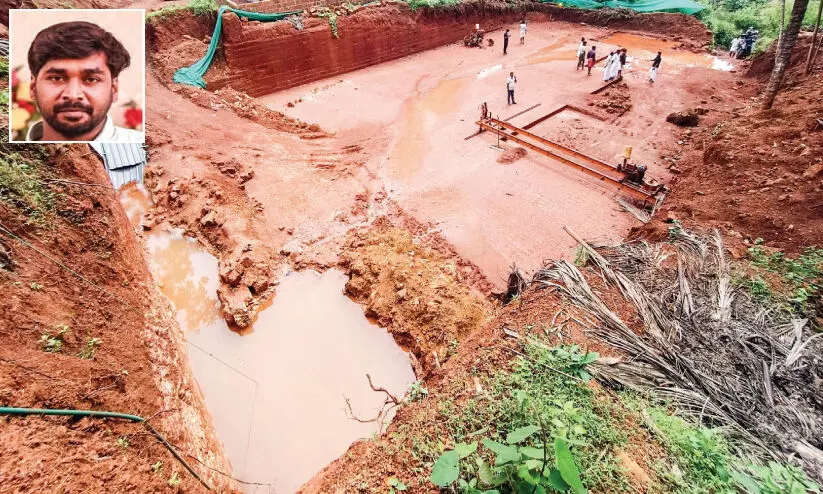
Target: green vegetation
[803, 275]
[156, 467]
[729, 18]
[123, 442]
[701, 460]
[53, 342]
[331, 16]
[174, 480]
[197, 7]
[417, 391]
[396, 486]
[90, 348]
[500, 444]
[22, 187]
[775, 478]
[433, 4]
[4, 74]
[702, 456]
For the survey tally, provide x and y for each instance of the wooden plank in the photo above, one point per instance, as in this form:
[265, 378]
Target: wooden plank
[544, 117]
[522, 112]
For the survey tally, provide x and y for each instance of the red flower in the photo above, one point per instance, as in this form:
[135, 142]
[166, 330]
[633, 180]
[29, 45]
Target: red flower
[14, 79]
[134, 117]
[26, 105]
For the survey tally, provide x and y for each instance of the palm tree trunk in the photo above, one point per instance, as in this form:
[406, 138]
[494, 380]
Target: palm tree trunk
[784, 55]
[782, 25]
[812, 50]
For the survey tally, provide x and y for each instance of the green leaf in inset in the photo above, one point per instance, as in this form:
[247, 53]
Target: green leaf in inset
[520, 434]
[400, 486]
[536, 453]
[524, 473]
[464, 450]
[567, 467]
[556, 481]
[487, 475]
[504, 454]
[446, 469]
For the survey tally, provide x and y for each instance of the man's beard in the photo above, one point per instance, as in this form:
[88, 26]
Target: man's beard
[71, 130]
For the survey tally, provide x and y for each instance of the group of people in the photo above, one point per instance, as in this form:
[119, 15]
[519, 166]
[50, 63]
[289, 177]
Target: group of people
[742, 45]
[615, 62]
[613, 69]
[614, 65]
[506, 35]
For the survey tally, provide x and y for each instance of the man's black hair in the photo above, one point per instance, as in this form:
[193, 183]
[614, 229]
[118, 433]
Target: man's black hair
[76, 40]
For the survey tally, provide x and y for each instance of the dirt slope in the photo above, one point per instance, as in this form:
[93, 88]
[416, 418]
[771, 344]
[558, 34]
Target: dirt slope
[754, 173]
[139, 367]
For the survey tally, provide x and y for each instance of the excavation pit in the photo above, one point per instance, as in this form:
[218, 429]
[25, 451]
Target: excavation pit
[283, 383]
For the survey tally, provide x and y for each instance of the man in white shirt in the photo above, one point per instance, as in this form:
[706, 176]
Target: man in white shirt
[735, 46]
[523, 31]
[74, 81]
[510, 86]
[581, 54]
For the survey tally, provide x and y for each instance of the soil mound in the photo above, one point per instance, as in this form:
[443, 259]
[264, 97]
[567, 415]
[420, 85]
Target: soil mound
[509, 156]
[687, 118]
[414, 291]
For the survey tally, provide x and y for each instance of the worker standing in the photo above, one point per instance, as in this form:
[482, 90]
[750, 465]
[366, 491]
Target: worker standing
[655, 67]
[581, 54]
[622, 57]
[505, 41]
[523, 31]
[590, 59]
[510, 87]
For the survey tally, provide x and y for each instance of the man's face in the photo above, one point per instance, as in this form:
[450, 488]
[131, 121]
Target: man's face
[74, 95]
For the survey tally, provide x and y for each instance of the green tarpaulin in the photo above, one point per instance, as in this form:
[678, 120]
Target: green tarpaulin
[682, 6]
[193, 74]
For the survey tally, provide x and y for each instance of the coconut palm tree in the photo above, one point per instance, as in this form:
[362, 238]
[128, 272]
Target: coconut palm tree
[784, 54]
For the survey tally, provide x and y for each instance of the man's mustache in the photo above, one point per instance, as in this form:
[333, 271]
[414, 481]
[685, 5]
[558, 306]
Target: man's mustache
[73, 106]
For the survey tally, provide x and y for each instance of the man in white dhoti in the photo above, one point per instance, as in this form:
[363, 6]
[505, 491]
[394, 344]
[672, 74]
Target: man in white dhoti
[607, 71]
[523, 31]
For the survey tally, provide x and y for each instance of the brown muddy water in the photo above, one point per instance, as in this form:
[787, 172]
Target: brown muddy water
[276, 393]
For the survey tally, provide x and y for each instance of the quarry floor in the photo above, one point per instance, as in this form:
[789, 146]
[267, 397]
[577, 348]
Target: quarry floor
[410, 118]
[396, 148]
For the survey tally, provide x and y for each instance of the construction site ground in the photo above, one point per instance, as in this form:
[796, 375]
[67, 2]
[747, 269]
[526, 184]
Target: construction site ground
[369, 179]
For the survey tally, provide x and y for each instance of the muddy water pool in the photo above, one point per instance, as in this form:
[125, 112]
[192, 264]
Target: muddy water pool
[276, 393]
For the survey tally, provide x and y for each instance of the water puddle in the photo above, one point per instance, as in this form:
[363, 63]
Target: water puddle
[420, 116]
[276, 394]
[645, 49]
[552, 53]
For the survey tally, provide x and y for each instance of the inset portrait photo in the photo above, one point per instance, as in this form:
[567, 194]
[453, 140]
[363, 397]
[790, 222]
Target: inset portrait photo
[77, 75]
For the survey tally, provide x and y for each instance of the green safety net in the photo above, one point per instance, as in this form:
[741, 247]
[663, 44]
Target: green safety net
[682, 6]
[193, 74]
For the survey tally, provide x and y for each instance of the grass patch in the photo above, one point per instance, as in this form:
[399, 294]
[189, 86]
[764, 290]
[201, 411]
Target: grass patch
[702, 461]
[803, 275]
[562, 407]
[53, 342]
[22, 187]
[197, 7]
[90, 348]
[432, 4]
